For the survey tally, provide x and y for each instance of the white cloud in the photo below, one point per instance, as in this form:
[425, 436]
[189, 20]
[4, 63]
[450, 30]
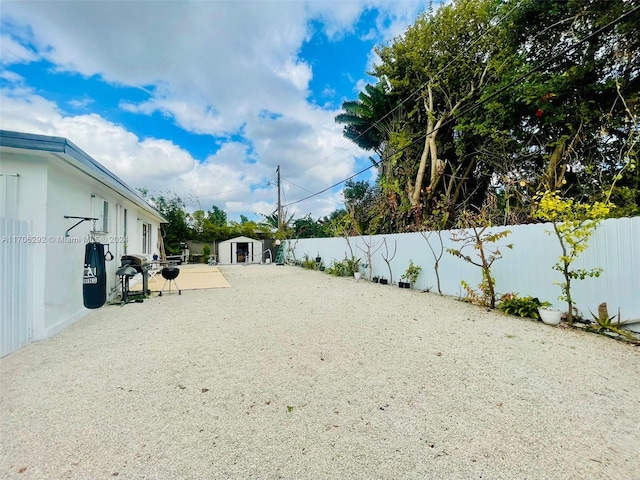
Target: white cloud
[212, 68]
[14, 52]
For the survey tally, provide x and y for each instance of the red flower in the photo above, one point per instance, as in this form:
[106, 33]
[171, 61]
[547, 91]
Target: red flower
[539, 113]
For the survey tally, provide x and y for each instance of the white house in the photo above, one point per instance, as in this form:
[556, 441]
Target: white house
[240, 250]
[43, 180]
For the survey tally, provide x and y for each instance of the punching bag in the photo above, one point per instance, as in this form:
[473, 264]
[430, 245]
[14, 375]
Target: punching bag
[94, 278]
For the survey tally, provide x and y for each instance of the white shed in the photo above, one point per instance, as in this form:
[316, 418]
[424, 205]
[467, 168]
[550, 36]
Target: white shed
[45, 180]
[240, 250]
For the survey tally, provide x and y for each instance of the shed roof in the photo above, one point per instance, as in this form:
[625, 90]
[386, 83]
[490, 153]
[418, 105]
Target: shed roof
[241, 239]
[63, 149]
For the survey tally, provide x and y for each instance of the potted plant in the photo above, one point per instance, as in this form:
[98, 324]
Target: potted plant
[375, 279]
[318, 258]
[412, 273]
[403, 283]
[383, 281]
[550, 315]
[352, 267]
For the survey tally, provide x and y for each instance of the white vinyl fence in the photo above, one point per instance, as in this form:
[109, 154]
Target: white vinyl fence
[526, 269]
[15, 308]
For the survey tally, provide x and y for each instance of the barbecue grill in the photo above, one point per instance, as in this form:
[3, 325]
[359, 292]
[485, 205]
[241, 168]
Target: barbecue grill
[131, 265]
[170, 274]
[140, 264]
[126, 273]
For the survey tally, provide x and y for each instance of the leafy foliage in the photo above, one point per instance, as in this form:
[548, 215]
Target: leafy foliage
[412, 272]
[604, 323]
[512, 304]
[573, 223]
[502, 99]
[487, 252]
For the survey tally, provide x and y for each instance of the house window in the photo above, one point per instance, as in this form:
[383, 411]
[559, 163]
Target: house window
[100, 210]
[146, 238]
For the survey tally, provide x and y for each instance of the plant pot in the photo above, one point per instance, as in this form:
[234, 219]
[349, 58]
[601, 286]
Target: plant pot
[318, 259]
[375, 279]
[402, 284]
[321, 268]
[383, 281]
[357, 275]
[550, 316]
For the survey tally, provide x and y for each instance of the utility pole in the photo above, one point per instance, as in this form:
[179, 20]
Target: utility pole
[280, 223]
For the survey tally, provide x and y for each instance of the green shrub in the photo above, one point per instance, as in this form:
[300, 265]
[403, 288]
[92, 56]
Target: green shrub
[309, 263]
[351, 266]
[512, 304]
[206, 251]
[338, 269]
[412, 273]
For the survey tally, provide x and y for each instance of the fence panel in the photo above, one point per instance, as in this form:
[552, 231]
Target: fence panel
[526, 269]
[15, 311]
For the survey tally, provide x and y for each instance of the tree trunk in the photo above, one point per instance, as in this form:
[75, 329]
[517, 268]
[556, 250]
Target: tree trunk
[430, 150]
[554, 175]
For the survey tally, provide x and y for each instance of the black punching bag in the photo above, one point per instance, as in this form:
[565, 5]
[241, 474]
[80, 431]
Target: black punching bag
[94, 279]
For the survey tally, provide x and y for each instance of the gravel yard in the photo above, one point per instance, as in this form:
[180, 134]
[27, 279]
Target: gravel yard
[294, 374]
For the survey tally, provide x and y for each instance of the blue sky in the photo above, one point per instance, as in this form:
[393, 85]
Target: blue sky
[200, 99]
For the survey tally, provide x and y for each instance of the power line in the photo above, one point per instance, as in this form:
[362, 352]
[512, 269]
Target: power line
[421, 87]
[329, 188]
[301, 188]
[267, 183]
[480, 102]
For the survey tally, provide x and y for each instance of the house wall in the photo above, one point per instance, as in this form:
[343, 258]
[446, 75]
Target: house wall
[526, 269]
[48, 189]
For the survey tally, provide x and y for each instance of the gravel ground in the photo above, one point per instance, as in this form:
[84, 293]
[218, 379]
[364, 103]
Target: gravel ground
[298, 375]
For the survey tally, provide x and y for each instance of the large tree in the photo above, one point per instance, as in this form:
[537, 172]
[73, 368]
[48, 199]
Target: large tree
[440, 64]
[506, 99]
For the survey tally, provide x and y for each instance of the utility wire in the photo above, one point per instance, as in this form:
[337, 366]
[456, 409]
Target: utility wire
[301, 188]
[267, 183]
[329, 188]
[375, 124]
[421, 87]
[480, 102]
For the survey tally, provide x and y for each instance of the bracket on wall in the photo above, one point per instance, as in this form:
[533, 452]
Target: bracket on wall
[82, 219]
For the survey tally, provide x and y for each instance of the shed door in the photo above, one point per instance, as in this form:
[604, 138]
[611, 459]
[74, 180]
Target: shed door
[242, 252]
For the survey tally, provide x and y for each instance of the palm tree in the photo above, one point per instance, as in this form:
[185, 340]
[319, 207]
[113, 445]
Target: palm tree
[369, 120]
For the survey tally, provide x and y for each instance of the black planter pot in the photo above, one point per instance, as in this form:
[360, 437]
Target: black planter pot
[318, 259]
[402, 284]
[375, 279]
[383, 281]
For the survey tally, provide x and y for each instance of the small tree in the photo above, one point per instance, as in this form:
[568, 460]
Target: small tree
[438, 222]
[372, 248]
[388, 257]
[573, 224]
[474, 236]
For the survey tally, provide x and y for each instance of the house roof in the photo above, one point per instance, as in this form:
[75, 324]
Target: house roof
[62, 148]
